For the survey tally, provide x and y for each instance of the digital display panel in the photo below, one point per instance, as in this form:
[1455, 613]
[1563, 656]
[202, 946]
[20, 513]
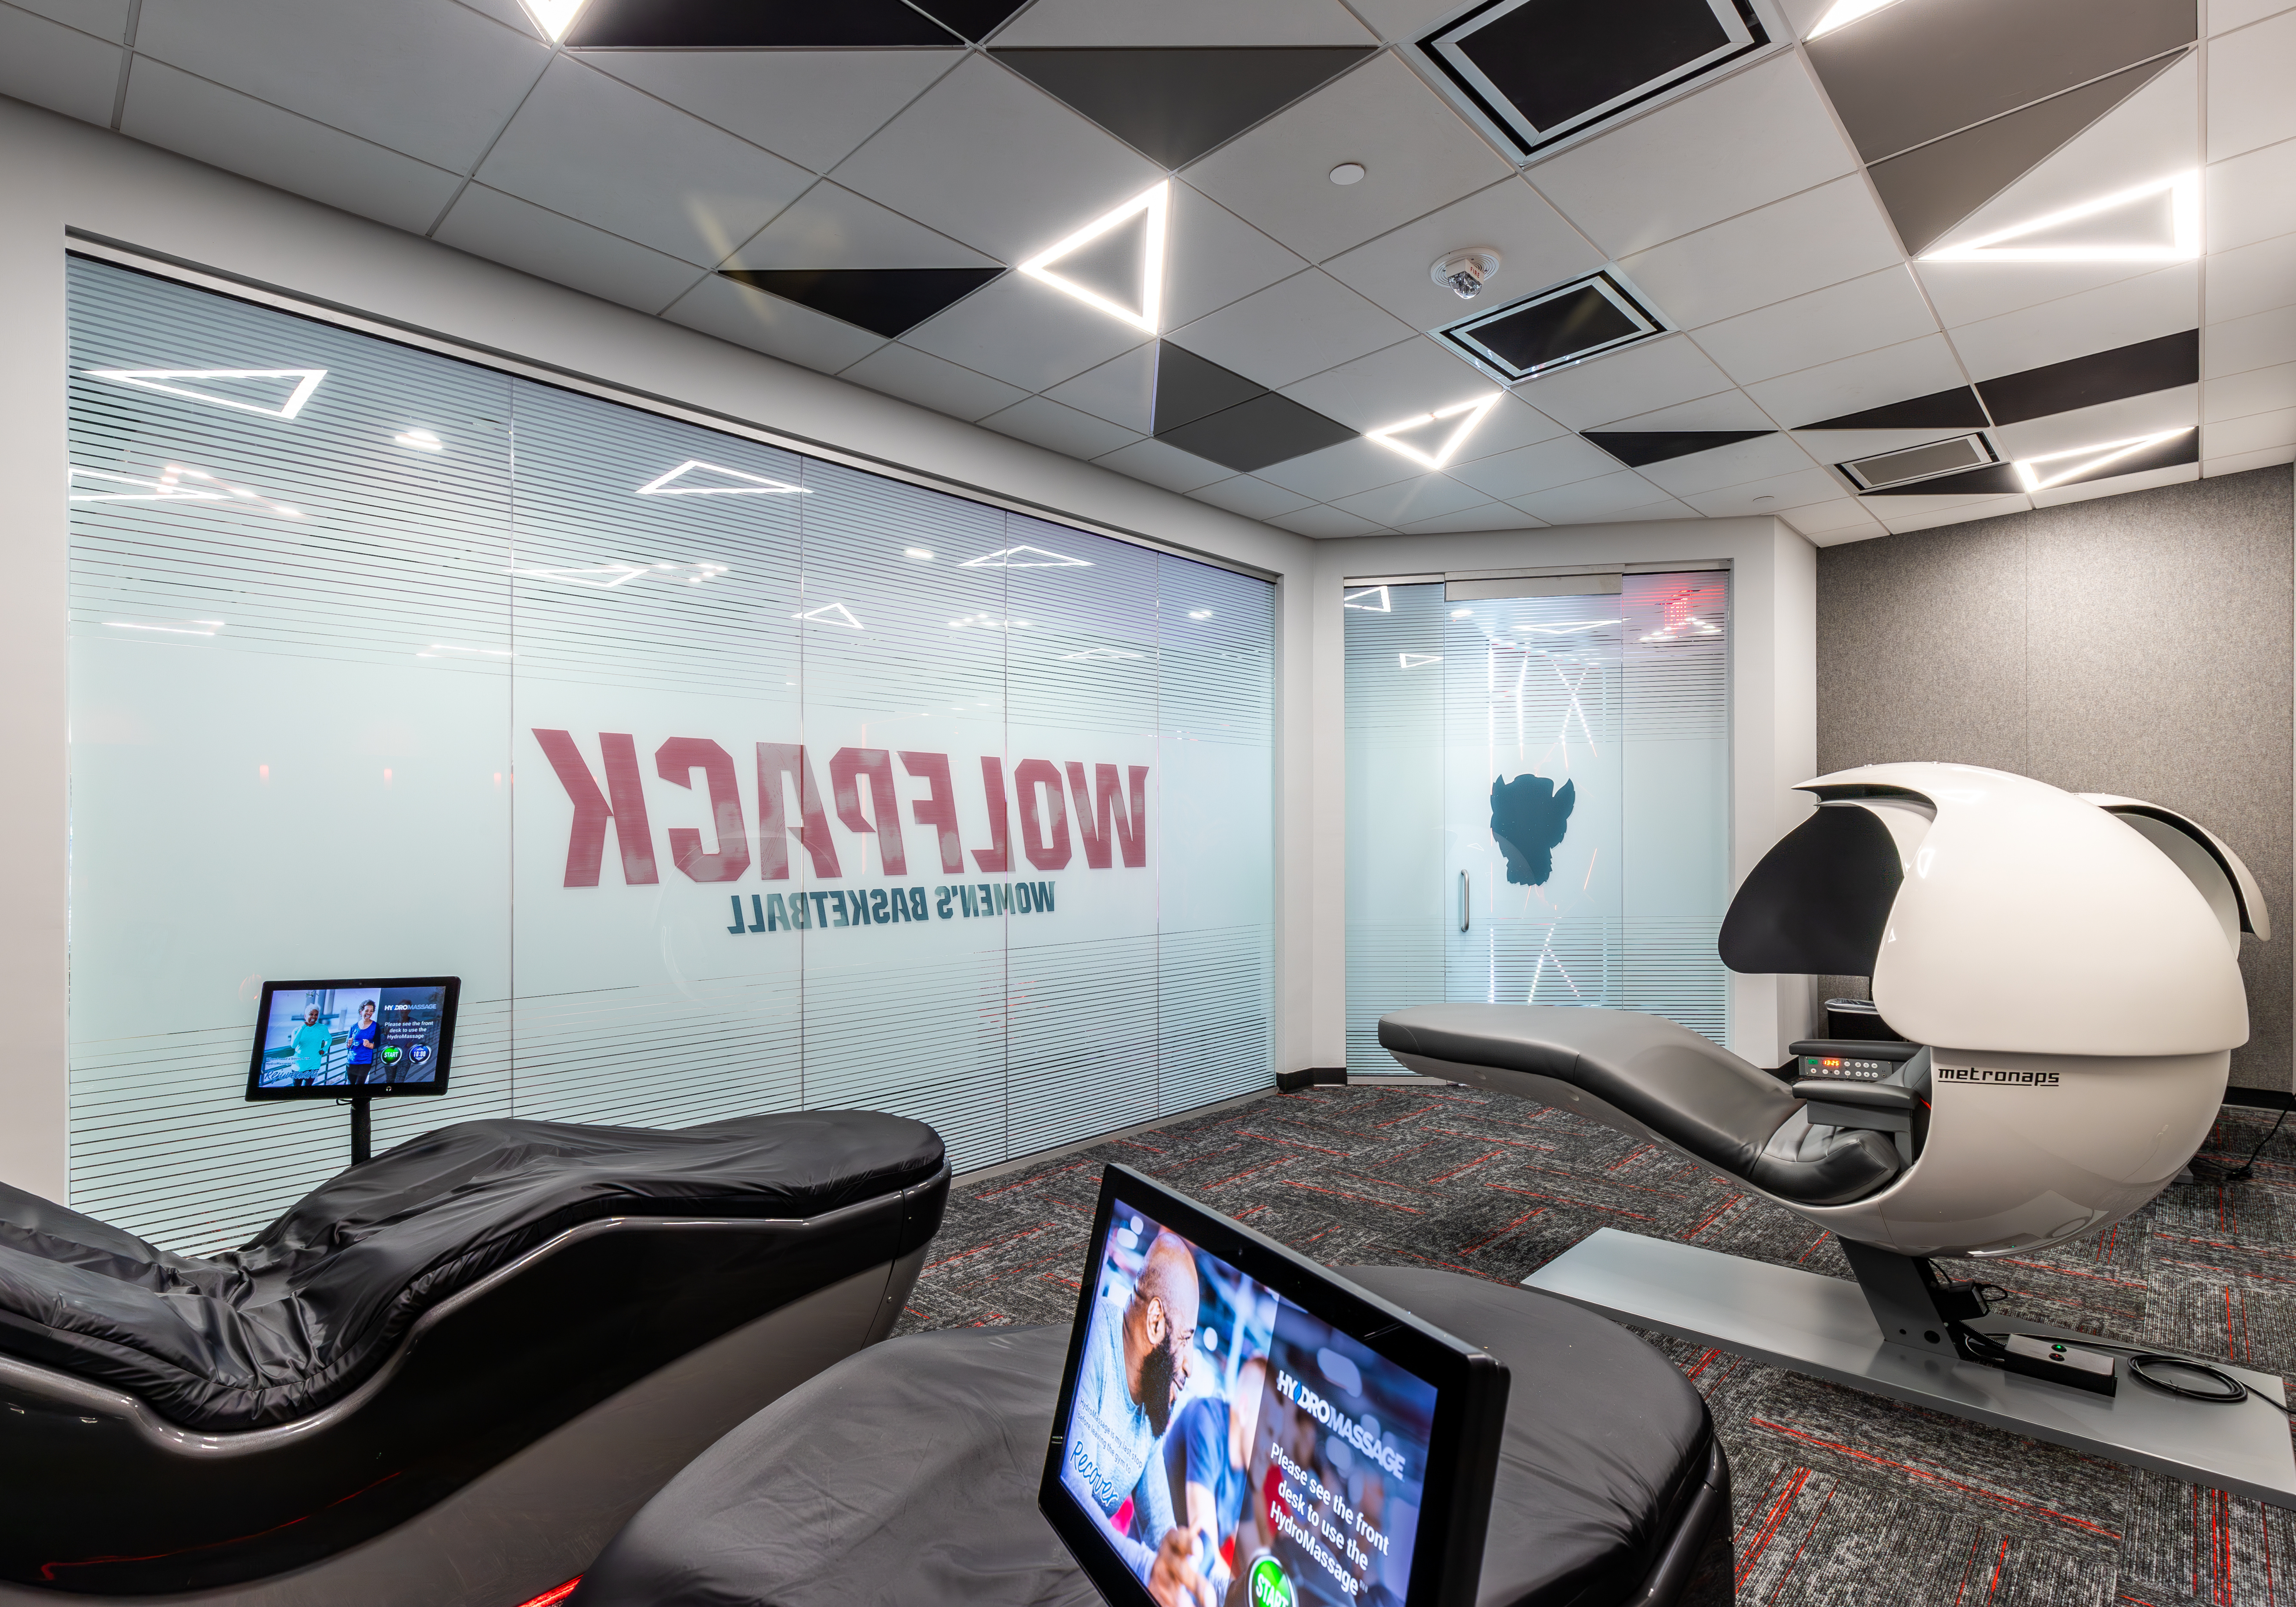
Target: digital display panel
[380, 1035]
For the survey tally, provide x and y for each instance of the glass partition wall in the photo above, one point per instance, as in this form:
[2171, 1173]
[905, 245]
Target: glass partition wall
[1537, 799]
[727, 778]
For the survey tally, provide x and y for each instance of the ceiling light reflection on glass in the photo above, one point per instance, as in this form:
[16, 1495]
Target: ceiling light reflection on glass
[188, 628]
[831, 613]
[449, 650]
[1468, 413]
[2182, 194]
[918, 554]
[1025, 558]
[1151, 206]
[752, 485]
[419, 440]
[986, 622]
[306, 381]
[1100, 655]
[1370, 598]
[2084, 460]
[170, 487]
[607, 576]
[1412, 660]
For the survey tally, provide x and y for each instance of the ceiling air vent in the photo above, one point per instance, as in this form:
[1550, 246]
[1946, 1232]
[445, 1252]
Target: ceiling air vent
[1538, 72]
[1885, 469]
[1566, 323]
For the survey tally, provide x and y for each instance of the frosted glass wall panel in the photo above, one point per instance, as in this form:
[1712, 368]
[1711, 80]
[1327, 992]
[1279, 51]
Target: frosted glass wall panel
[728, 780]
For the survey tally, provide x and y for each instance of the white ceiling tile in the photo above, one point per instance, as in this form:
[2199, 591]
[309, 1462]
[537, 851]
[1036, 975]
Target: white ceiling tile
[1163, 465]
[1512, 476]
[1872, 379]
[2253, 279]
[1606, 500]
[1537, 248]
[1304, 324]
[1789, 248]
[2240, 462]
[1214, 257]
[1417, 154]
[1836, 514]
[1342, 471]
[1656, 374]
[1488, 516]
[1060, 428]
[56, 67]
[2251, 197]
[1325, 524]
[2161, 303]
[1400, 21]
[517, 233]
[1411, 501]
[1842, 446]
[2258, 432]
[1774, 495]
[428, 77]
[831, 227]
[1765, 457]
[104, 19]
[1509, 425]
[2120, 421]
[811, 106]
[593, 148]
[1803, 15]
[1192, 24]
[1825, 327]
[2258, 390]
[510, 13]
[1412, 377]
[1724, 410]
[2058, 496]
[1122, 390]
[2259, 340]
[988, 158]
[2225, 15]
[1904, 513]
[1729, 148]
[242, 135]
[1970, 293]
[768, 323]
[929, 381]
[2249, 76]
[1024, 332]
[1252, 496]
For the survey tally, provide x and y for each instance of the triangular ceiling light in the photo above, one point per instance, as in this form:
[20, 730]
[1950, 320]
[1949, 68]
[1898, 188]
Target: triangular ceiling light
[1412, 660]
[694, 478]
[2082, 463]
[832, 613]
[1025, 558]
[1152, 206]
[2156, 222]
[277, 393]
[1436, 446]
[1371, 600]
[553, 17]
[1174, 105]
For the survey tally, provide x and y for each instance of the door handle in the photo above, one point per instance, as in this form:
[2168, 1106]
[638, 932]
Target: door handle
[1463, 900]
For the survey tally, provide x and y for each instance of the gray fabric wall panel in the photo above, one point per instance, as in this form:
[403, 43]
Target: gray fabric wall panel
[2139, 645]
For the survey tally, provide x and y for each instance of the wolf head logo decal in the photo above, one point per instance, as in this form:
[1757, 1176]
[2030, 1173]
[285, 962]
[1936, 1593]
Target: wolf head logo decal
[1529, 817]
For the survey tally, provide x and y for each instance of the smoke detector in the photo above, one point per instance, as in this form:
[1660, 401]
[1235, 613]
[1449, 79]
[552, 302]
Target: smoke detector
[1465, 272]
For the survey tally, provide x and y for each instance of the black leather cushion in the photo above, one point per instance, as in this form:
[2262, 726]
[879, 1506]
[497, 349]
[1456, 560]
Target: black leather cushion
[906, 1476]
[1681, 1086]
[300, 1315]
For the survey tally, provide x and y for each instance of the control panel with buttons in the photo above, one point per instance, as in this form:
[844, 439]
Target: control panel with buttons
[1854, 1070]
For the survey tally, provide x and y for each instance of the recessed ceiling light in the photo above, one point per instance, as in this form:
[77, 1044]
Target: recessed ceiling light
[1845, 12]
[306, 381]
[1347, 173]
[2184, 244]
[2084, 460]
[1468, 413]
[1152, 205]
[553, 17]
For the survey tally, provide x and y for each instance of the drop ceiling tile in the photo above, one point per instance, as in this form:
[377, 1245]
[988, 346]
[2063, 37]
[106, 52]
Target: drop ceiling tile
[1773, 495]
[1412, 377]
[1624, 384]
[427, 77]
[517, 233]
[1307, 323]
[1724, 410]
[831, 227]
[988, 158]
[2259, 340]
[2256, 390]
[812, 106]
[1834, 514]
[1871, 379]
[1537, 247]
[2160, 303]
[1823, 326]
[106, 20]
[593, 148]
[1252, 496]
[917, 376]
[1122, 390]
[1174, 106]
[1162, 465]
[1214, 257]
[56, 67]
[2058, 496]
[242, 135]
[1025, 332]
[1764, 458]
[1731, 147]
[1970, 293]
[1411, 501]
[1060, 428]
[1605, 500]
[1512, 476]
[1903, 521]
[1400, 21]
[2240, 462]
[1842, 446]
[1418, 153]
[1326, 524]
[2251, 197]
[2226, 15]
[2258, 432]
[1789, 248]
[1488, 516]
[2249, 76]
[1198, 24]
[1342, 471]
[768, 323]
[2253, 279]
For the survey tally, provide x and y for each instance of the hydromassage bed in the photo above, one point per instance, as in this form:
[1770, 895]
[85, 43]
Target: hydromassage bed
[449, 1374]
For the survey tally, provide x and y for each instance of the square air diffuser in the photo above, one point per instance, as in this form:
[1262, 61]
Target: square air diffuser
[1563, 324]
[1924, 462]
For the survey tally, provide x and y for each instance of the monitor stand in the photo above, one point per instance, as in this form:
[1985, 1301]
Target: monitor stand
[362, 1131]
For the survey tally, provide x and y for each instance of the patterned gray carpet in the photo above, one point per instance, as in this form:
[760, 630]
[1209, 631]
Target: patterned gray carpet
[1841, 1497]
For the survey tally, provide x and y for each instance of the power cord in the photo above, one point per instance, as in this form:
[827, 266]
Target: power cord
[2231, 1392]
[2208, 1170]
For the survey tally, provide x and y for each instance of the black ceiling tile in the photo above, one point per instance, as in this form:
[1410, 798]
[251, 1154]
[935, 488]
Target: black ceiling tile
[1931, 188]
[886, 301]
[2103, 376]
[1189, 387]
[1174, 105]
[976, 20]
[1954, 409]
[1994, 476]
[1269, 428]
[750, 25]
[1561, 323]
[1635, 447]
[1922, 69]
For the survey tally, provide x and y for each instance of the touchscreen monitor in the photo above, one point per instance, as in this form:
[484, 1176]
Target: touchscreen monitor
[377, 1035]
[1239, 1427]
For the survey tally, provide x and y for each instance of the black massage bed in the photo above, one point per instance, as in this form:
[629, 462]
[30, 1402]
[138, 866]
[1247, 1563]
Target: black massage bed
[906, 1476]
[445, 1376]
